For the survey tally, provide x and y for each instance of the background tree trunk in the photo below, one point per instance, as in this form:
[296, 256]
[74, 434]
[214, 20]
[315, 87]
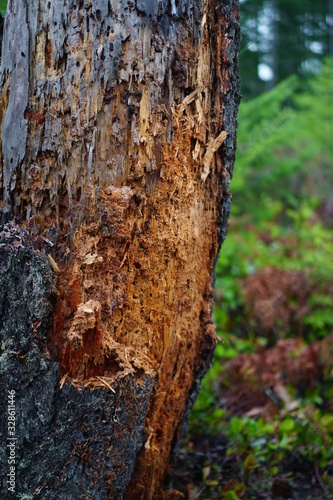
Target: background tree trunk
[118, 141]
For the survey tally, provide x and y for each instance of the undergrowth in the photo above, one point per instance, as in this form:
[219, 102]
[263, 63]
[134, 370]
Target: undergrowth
[269, 393]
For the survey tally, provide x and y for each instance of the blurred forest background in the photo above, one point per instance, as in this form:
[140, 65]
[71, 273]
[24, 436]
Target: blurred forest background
[262, 426]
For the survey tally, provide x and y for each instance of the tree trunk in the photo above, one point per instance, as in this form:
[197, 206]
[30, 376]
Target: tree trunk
[118, 141]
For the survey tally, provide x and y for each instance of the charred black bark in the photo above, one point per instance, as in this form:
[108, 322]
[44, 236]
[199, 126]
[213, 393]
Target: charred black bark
[70, 441]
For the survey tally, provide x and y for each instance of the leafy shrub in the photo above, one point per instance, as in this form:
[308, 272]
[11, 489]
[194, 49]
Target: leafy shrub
[270, 389]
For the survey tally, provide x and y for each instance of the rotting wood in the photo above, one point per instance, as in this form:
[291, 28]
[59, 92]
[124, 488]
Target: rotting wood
[212, 147]
[118, 141]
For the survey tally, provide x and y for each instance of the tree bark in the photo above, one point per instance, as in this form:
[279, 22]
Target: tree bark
[118, 132]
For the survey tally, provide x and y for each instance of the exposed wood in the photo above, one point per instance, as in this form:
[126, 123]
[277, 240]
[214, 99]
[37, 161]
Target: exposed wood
[118, 140]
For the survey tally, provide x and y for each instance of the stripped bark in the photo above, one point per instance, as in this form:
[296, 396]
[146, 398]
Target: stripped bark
[118, 140]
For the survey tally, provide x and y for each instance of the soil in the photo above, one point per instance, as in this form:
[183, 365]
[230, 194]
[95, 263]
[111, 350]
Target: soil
[297, 479]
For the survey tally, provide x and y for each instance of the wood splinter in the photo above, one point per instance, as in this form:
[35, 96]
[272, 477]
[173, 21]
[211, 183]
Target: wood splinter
[212, 147]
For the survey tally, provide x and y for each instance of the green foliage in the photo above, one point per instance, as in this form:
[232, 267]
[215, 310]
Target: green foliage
[283, 178]
[3, 7]
[284, 149]
[308, 435]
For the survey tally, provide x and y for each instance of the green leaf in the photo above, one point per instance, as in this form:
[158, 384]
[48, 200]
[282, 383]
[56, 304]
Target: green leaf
[249, 462]
[230, 495]
[327, 422]
[259, 442]
[287, 425]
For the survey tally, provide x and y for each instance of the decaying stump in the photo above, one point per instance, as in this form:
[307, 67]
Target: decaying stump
[118, 130]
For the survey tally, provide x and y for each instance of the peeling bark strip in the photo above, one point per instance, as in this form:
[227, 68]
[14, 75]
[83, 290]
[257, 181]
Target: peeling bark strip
[118, 130]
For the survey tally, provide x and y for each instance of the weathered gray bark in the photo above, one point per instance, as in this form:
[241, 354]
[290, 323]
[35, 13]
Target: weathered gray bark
[118, 140]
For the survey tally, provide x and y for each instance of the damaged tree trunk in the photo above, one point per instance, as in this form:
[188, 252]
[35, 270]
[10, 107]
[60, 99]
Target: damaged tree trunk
[118, 130]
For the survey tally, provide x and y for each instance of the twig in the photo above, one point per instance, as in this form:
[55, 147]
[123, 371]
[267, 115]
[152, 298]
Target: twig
[319, 479]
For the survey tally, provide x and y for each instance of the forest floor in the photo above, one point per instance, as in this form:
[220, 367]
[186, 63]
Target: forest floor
[256, 441]
[205, 471]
